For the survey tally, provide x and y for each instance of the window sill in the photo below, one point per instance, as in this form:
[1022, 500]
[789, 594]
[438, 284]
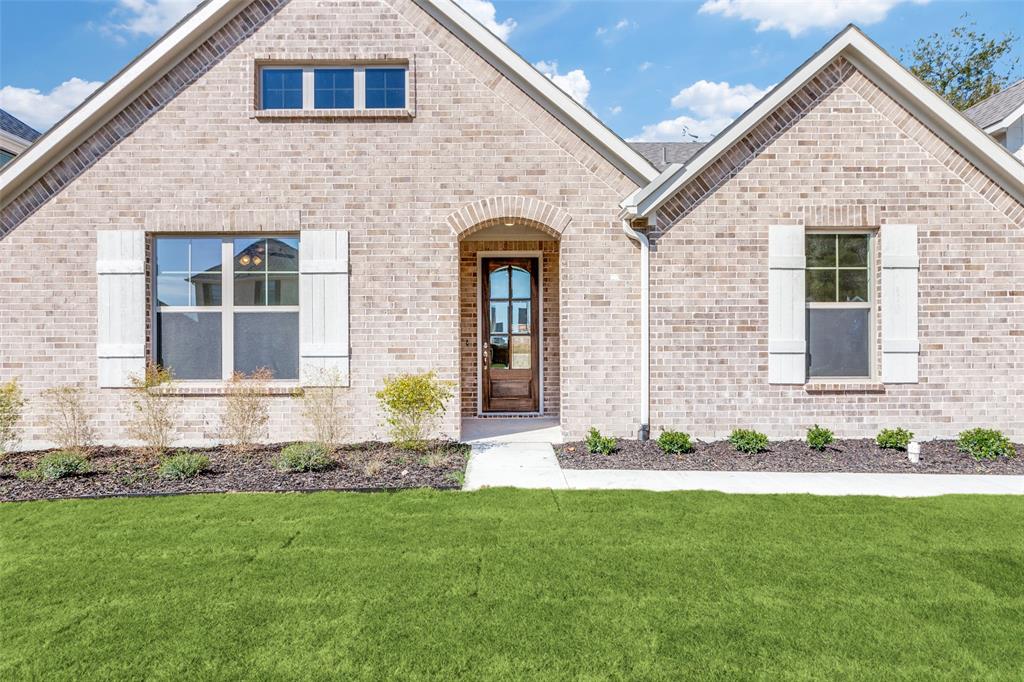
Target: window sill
[820, 387]
[218, 388]
[268, 114]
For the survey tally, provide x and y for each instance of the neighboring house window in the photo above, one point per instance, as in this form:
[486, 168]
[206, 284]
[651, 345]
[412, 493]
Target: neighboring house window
[335, 87]
[839, 305]
[227, 305]
[5, 156]
[282, 89]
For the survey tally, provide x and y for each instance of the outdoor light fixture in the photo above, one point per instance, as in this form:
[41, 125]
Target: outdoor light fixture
[244, 260]
[256, 260]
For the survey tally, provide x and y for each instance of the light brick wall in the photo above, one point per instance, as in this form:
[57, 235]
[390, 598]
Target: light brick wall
[392, 183]
[855, 158]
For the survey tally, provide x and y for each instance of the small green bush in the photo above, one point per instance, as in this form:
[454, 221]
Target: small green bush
[675, 442]
[985, 444]
[183, 465]
[60, 464]
[413, 405]
[598, 444]
[748, 441]
[818, 437]
[894, 439]
[299, 457]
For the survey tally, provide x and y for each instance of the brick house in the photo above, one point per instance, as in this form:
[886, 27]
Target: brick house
[355, 189]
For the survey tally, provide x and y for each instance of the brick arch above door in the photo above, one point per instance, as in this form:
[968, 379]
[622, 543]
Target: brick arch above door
[529, 211]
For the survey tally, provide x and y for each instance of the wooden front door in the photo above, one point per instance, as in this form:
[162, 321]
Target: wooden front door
[511, 343]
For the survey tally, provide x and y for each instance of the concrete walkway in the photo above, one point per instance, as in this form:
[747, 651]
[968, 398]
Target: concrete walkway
[513, 453]
[755, 482]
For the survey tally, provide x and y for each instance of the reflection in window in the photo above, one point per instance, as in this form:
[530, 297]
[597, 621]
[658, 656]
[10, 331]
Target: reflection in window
[499, 352]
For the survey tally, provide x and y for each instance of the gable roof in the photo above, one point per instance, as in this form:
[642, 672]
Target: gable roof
[664, 154]
[17, 128]
[999, 110]
[210, 15]
[980, 149]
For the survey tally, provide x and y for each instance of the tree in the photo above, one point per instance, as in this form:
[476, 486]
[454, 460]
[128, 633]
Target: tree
[965, 66]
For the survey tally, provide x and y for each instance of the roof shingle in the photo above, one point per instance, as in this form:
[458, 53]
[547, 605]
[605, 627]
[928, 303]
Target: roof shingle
[998, 106]
[663, 154]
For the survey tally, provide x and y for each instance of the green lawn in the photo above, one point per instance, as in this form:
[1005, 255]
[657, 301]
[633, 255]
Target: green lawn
[512, 585]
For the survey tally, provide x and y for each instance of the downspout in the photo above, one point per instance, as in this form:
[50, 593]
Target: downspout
[644, 432]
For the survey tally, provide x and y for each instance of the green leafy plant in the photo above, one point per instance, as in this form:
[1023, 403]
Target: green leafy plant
[598, 444]
[894, 439]
[413, 406]
[152, 412]
[59, 464]
[985, 444]
[674, 442]
[12, 402]
[183, 464]
[299, 457]
[818, 437]
[67, 418]
[748, 441]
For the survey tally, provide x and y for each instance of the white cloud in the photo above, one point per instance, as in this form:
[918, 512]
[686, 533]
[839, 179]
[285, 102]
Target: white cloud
[487, 14]
[609, 34]
[717, 100]
[681, 129]
[146, 17]
[43, 110]
[574, 82]
[616, 110]
[644, 66]
[797, 16]
[712, 105]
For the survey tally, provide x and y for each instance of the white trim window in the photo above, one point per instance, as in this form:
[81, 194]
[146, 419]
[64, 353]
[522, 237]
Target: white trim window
[225, 305]
[342, 87]
[840, 305]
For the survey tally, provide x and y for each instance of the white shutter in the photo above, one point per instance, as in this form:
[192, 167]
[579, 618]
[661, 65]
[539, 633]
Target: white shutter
[121, 298]
[787, 340]
[323, 305]
[900, 345]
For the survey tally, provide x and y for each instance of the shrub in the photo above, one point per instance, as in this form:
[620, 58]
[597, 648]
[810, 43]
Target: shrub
[985, 444]
[247, 411]
[750, 442]
[153, 421]
[323, 409]
[11, 404]
[60, 464]
[299, 457]
[894, 439]
[598, 444]
[413, 405]
[374, 464]
[818, 437]
[674, 442]
[182, 465]
[68, 419]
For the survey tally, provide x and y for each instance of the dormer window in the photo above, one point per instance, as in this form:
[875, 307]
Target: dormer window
[341, 87]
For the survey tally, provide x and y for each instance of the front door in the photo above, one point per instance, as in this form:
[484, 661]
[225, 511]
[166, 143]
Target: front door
[510, 340]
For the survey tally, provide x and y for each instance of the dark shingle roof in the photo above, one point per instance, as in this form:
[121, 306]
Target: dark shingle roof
[17, 128]
[663, 154]
[998, 106]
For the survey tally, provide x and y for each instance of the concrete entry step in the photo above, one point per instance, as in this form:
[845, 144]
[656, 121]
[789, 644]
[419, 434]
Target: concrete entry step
[514, 452]
[511, 430]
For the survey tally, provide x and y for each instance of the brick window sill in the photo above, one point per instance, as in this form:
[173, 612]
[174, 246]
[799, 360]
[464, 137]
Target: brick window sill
[220, 389]
[820, 387]
[360, 114]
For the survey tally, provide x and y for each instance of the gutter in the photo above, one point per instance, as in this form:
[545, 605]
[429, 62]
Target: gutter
[644, 431]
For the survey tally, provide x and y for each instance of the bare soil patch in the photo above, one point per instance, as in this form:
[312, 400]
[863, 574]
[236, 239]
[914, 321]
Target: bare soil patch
[126, 471]
[854, 455]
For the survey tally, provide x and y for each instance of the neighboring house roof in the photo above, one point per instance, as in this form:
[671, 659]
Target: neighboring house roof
[18, 128]
[108, 100]
[931, 109]
[994, 111]
[664, 154]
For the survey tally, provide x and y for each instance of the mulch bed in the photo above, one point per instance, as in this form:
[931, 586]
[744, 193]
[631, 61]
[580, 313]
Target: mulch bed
[126, 471]
[852, 456]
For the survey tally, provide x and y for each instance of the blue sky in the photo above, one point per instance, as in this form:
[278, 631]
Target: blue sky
[650, 69]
